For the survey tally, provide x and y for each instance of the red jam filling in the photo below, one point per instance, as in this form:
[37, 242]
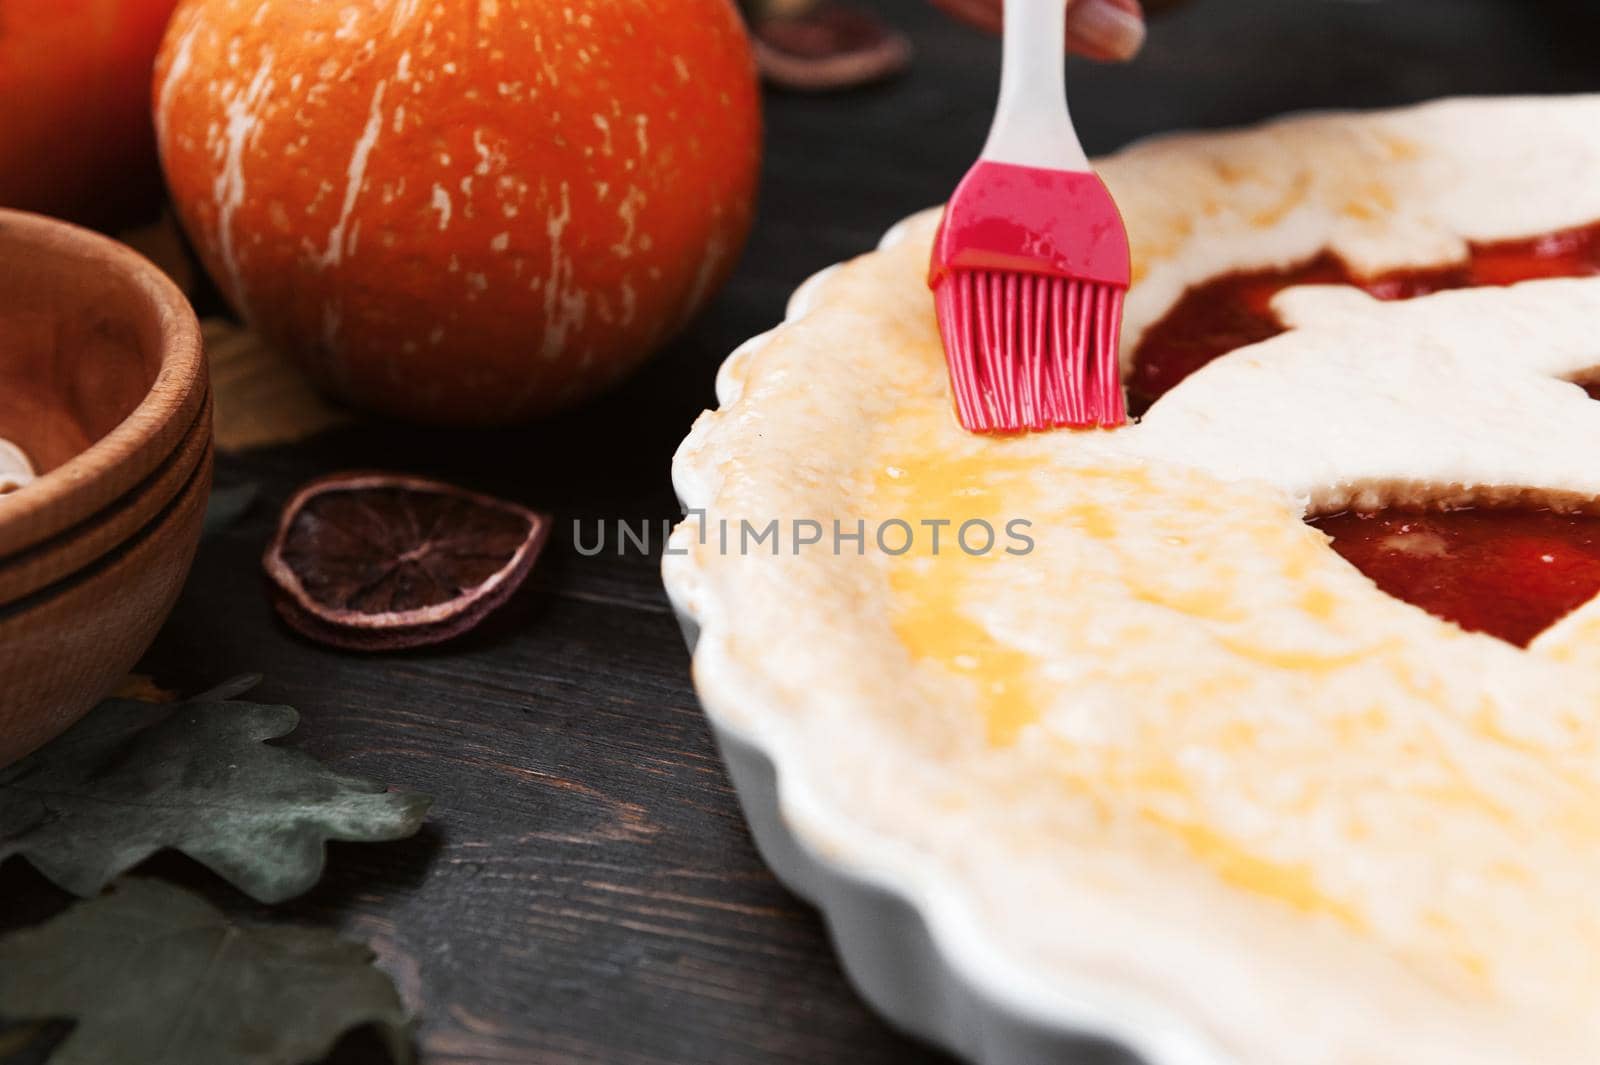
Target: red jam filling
[1509, 573]
[1231, 311]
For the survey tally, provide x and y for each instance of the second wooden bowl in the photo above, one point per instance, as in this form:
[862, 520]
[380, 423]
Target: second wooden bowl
[65, 649]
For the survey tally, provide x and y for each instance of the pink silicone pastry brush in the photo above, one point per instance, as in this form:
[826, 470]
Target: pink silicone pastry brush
[1030, 264]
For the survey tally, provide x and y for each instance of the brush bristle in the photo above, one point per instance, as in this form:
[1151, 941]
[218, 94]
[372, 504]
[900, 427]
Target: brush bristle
[1030, 351]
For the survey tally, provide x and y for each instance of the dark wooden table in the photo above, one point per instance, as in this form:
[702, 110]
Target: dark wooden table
[586, 891]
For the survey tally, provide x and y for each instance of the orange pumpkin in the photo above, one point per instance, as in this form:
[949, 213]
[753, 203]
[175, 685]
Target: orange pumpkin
[462, 213]
[75, 136]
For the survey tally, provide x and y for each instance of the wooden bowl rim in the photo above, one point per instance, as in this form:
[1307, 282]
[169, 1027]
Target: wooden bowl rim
[139, 444]
[198, 482]
[84, 544]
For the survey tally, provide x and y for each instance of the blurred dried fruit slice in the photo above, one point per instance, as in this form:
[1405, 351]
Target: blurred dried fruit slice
[378, 562]
[827, 47]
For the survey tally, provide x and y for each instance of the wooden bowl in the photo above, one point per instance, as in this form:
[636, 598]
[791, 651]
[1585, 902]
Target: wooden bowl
[103, 371]
[103, 383]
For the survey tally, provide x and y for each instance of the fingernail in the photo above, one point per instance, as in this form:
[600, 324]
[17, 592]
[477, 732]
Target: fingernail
[1104, 28]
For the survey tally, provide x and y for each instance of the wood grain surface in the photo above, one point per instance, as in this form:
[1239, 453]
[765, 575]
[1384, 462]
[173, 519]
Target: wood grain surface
[585, 892]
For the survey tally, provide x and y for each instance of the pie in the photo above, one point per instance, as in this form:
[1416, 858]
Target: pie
[1277, 717]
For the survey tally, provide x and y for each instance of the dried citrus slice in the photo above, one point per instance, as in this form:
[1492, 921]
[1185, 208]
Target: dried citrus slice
[827, 47]
[378, 562]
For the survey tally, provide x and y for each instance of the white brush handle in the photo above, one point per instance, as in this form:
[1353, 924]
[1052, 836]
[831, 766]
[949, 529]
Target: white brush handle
[1031, 124]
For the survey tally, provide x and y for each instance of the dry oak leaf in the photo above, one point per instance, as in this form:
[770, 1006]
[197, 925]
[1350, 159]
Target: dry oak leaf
[155, 975]
[142, 688]
[133, 778]
[162, 243]
[262, 398]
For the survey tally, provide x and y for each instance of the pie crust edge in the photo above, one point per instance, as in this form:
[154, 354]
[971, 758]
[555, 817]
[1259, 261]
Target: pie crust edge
[890, 919]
